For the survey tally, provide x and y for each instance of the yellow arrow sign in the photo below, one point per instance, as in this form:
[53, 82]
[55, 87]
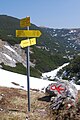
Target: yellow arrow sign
[29, 42]
[32, 41]
[28, 33]
[25, 22]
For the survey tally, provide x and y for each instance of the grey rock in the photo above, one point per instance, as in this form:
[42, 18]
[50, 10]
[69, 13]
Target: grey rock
[62, 92]
[10, 55]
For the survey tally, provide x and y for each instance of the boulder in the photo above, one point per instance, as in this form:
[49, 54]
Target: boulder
[62, 93]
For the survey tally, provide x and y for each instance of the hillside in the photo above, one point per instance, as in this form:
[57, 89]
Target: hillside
[61, 41]
[54, 48]
[72, 71]
[13, 106]
[13, 99]
[40, 55]
[66, 41]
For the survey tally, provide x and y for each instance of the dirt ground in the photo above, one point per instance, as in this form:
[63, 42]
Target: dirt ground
[13, 106]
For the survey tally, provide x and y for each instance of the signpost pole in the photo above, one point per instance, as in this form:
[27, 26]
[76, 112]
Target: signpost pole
[25, 22]
[28, 74]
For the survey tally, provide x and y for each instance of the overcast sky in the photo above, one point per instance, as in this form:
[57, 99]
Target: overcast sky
[49, 13]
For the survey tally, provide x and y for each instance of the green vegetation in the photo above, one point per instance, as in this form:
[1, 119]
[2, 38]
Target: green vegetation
[45, 61]
[8, 27]
[18, 69]
[34, 72]
[74, 67]
[22, 70]
[52, 48]
[72, 71]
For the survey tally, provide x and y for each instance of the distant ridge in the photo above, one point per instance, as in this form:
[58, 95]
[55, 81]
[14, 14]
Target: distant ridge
[53, 48]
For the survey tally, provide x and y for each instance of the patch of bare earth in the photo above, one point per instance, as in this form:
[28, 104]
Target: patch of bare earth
[14, 105]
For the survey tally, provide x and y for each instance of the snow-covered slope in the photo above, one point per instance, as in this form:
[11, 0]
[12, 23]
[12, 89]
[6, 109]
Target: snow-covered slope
[10, 79]
[53, 73]
[14, 80]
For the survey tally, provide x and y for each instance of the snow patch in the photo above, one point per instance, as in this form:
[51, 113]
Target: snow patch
[8, 47]
[53, 73]
[8, 78]
[14, 80]
[7, 56]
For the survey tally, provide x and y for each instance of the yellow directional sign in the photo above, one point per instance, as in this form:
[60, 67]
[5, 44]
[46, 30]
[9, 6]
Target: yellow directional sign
[25, 22]
[32, 41]
[28, 33]
[29, 42]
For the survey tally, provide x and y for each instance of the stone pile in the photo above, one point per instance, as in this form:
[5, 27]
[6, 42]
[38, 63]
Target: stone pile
[62, 93]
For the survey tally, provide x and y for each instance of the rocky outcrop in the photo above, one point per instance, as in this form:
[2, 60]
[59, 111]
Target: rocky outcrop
[10, 55]
[62, 93]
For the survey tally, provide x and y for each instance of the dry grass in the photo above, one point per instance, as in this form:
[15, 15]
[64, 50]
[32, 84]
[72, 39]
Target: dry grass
[13, 105]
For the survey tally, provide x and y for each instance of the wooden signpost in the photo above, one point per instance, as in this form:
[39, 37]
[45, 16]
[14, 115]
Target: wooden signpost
[25, 22]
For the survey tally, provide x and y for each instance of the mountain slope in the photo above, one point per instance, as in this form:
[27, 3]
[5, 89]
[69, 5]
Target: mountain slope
[72, 71]
[13, 102]
[65, 41]
[54, 47]
[40, 54]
